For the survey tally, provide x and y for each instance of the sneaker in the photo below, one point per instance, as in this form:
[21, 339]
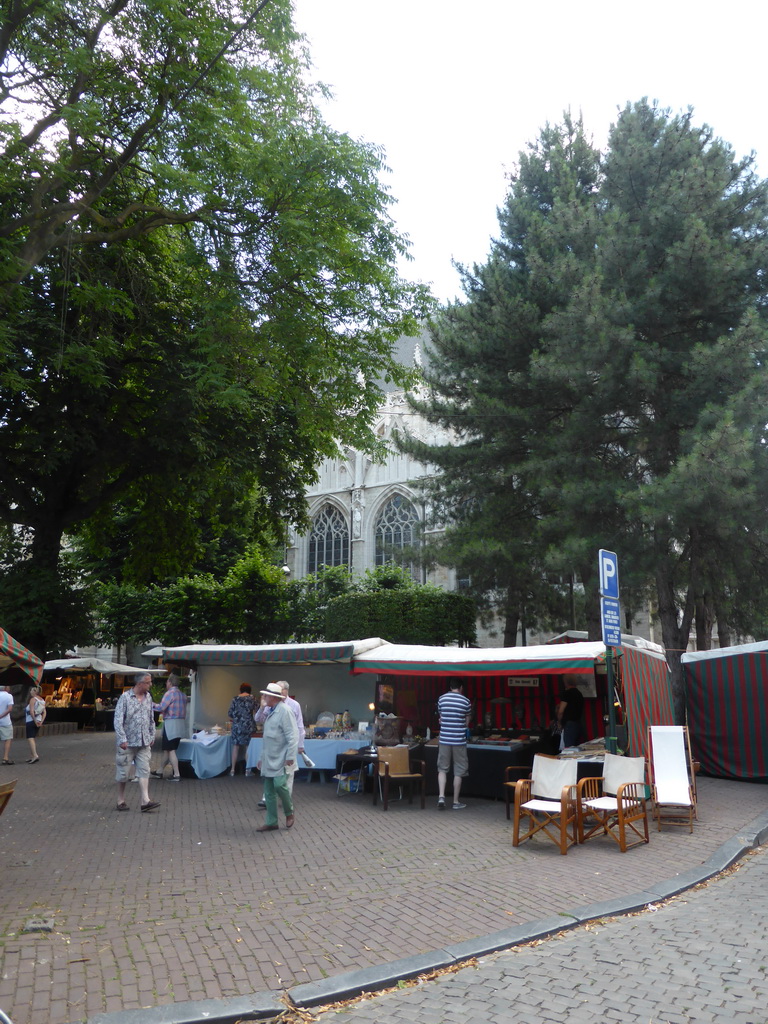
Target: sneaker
[441, 803]
[155, 775]
[459, 807]
[174, 778]
[262, 803]
[133, 780]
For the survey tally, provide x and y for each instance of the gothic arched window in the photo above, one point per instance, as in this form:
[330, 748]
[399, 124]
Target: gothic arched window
[396, 530]
[328, 539]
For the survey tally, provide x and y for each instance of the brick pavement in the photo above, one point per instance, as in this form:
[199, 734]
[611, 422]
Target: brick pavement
[188, 903]
[700, 958]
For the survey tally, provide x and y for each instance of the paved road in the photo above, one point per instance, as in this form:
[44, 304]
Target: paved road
[189, 903]
[701, 958]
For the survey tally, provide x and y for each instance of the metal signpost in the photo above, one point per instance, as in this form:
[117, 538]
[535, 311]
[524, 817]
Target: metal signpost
[610, 618]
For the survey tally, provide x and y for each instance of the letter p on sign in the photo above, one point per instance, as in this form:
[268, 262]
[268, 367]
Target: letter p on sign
[608, 564]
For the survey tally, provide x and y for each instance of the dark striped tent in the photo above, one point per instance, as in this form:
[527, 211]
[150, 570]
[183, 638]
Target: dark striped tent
[726, 692]
[642, 685]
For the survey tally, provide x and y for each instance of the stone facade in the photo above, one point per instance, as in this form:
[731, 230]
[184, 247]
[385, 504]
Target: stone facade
[364, 513]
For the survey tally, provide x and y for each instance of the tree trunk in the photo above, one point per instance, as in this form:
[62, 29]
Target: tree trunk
[511, 623]
[674, 634]
[704, 622]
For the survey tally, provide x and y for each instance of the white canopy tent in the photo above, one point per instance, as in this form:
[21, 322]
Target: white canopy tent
[220, 668]
[106, 668]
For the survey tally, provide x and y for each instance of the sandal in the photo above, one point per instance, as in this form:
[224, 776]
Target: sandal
[33, 760]
[9, 762]
[122, 807]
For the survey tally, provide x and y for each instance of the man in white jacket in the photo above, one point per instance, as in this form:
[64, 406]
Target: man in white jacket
[278, 755]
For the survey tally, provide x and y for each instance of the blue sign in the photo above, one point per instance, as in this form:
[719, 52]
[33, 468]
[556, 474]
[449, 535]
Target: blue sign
[610, 619]
[608, 567]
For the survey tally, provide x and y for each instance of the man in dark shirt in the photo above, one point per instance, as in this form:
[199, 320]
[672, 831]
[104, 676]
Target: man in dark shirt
[569, 713]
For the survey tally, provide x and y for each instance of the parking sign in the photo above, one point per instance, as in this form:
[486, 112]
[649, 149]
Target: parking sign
[608, 566]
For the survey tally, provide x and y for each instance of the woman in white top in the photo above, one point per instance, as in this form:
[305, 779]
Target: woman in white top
[34, 716]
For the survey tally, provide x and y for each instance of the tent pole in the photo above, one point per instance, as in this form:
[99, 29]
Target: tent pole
[610, 739]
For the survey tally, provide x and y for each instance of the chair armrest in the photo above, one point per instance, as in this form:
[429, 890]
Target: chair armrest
[630, 792]
[522, 790]
[519, 770]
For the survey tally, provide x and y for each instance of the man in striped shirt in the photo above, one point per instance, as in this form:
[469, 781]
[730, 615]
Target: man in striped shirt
[454, 710]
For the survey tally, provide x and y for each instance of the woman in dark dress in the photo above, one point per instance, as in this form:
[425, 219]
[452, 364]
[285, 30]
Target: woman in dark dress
[241, 715]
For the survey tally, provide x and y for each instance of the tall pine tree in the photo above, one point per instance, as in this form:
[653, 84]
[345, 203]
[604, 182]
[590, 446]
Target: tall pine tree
[605, 376]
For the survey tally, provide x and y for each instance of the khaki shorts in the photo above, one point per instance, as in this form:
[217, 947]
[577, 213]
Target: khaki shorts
[123, 759]
[457, 754]
[6, 732]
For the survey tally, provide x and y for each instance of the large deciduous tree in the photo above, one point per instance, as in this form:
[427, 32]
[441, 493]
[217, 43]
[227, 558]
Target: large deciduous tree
[198, 290]
[606, 374]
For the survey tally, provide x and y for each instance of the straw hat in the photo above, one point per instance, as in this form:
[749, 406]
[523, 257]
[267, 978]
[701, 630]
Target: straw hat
[273, 690]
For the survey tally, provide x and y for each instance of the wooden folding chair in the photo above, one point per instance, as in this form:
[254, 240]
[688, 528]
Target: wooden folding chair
[615, 804]
[673, 780]
[394, 765]
[512, 775]
[547, 802]
[6, 792]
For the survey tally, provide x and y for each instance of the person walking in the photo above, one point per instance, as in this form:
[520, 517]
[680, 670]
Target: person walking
[278, 753]
[6, 723]
[454, 710]
[173, 708]
[295, 708]
[134, 736]
[241, 715]
[34, 716]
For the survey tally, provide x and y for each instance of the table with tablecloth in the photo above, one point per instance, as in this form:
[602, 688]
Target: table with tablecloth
[322, 752]
[208, 759]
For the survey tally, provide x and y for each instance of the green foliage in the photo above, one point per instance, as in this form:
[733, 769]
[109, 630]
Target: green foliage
[387, 577]
[198, 284]
[247, 606]
[254, 604]
[308, 598]
[406, 615]
[37, 600]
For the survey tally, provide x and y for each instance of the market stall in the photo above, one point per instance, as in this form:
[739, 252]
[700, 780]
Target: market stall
[83, 690]
[726, 691]
[515, 691]
[318, 675]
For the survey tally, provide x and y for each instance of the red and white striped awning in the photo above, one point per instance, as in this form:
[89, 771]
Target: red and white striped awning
[543, 659]
[13, 653]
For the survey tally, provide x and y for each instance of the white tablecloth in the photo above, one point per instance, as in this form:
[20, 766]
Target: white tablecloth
[207, 759]
[322, 752]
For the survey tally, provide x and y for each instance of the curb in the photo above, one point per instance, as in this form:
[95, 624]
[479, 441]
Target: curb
[266, 1005]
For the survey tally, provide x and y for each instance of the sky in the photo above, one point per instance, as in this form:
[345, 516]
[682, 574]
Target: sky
[454, 91]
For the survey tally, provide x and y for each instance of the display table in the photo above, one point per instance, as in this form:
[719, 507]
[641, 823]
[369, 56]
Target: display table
[357, 764]
[81, 714]
[104, 719]
[322, 752]
[588, 766]
[486, 767]
[207, 759]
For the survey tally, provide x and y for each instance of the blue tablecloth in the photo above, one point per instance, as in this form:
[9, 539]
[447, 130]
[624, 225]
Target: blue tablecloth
[322, 752]
[207, 759]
